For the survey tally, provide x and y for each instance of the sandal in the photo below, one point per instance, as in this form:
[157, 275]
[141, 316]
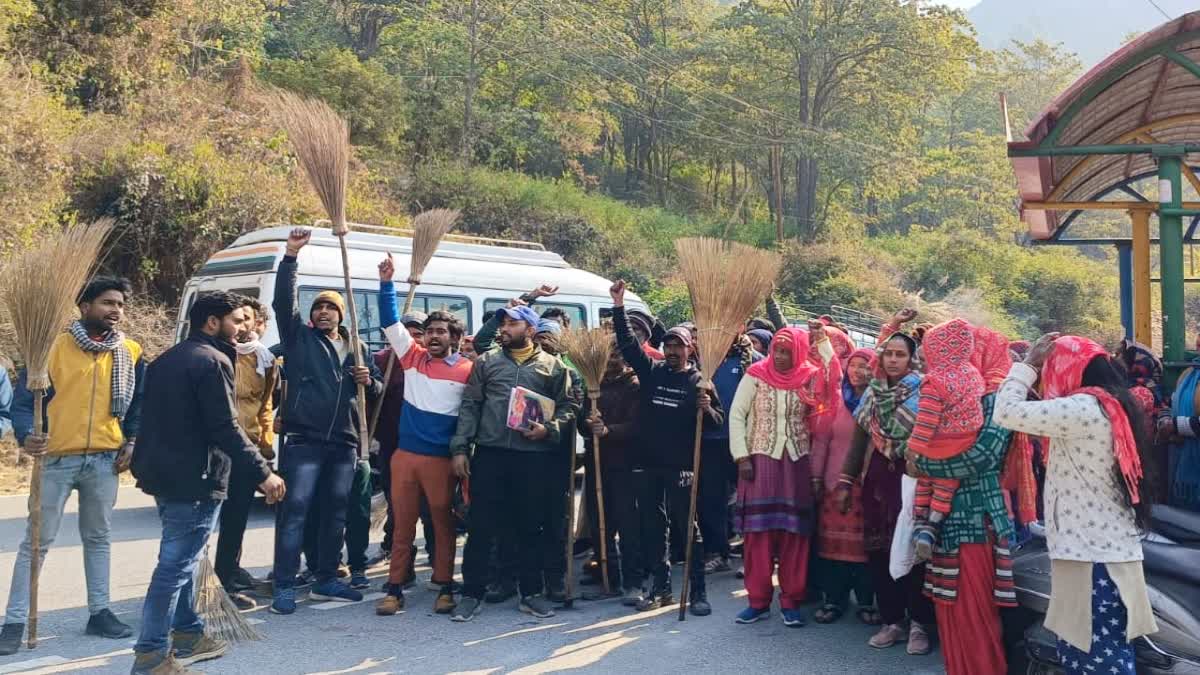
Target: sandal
[828, 613]
[869, 615]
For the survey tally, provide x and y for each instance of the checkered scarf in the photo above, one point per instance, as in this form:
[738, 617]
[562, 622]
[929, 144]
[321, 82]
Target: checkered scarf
[122, 364]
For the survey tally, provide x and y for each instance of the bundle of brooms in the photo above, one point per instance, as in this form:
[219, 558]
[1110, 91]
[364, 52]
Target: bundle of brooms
[589, 351]
[40, 288]
[726, 282]
[222, 619]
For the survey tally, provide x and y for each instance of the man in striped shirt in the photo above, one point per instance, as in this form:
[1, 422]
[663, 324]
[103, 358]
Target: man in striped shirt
[434, 380]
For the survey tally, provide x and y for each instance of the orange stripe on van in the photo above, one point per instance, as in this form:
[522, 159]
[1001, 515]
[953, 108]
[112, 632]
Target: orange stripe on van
[269, 248]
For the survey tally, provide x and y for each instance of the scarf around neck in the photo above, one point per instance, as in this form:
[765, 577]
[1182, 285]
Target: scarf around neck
[889, 412]
[123, 375]
[265, 359]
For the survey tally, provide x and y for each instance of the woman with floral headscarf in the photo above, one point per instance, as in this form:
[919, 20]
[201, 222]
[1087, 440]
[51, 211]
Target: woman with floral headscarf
[1096, 498]
[769, 437]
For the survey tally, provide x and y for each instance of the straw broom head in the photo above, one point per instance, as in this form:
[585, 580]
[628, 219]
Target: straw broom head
[428, 229]
[40, 288]
[321, 139]
[589, 350]
[222, 619]
[726, 282]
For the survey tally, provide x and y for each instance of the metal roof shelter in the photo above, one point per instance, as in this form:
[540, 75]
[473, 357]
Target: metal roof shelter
[1134, 116]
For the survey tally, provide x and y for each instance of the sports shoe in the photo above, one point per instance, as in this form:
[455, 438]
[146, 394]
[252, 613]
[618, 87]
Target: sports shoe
[537, 605]
[468, 608]
[10, 638]
[306, 579]
[632, 597]
[556, 591]
[334, 591]
[793, 618]
[918, 640]
[391, 603]
[242, 601]
[752, 615]
[654, 601]
[359, 581]
[158, 663]
[196, 647]
[716, 565]
[888, 635]
[698, 606]
[924, 536]
[444, 603]
[242, 581]
[501, 592]
[106, 624]
[379, 558]
[284, 602]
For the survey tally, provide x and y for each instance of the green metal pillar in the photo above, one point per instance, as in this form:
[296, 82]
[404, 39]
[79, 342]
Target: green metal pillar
[1170, 228]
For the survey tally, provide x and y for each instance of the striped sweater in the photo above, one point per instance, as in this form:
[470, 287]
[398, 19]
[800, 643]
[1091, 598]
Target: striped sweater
[433, 388]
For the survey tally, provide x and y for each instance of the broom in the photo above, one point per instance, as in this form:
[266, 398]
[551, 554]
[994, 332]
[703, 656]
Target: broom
[222, 619]
[589, 350]
[40, 288]
[321, 139]
[726, 282]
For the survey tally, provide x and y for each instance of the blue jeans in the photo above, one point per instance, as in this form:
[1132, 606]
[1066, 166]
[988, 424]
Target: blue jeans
[312, 471]
[171, 597]
[92, 475]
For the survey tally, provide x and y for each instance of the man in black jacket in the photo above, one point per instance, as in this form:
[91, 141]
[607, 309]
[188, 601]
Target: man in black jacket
[319, 455]
[662, 461]
[189, 440]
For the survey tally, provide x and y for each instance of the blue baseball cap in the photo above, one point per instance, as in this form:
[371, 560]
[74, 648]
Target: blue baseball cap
[521, 313]
[549, 326]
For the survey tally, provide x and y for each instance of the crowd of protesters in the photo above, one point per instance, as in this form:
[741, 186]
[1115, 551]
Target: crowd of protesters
[806, 443]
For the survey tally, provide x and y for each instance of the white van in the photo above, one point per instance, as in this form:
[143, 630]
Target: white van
[468, 276]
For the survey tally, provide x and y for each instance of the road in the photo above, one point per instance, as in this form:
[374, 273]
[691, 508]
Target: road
[348, 638]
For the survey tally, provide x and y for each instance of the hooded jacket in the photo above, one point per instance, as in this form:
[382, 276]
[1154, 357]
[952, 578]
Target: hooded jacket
[619, 404]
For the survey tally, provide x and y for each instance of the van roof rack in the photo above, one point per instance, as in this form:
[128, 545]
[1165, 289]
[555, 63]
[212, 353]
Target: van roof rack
[461, 238]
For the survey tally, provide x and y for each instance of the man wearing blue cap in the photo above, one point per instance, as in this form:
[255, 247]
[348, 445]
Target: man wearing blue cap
[508, 468]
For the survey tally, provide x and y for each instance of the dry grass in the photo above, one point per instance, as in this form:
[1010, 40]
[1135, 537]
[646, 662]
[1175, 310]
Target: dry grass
[727, 282]
[321, 139]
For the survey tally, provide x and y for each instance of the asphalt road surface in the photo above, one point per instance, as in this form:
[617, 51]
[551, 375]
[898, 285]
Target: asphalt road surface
[348, 638]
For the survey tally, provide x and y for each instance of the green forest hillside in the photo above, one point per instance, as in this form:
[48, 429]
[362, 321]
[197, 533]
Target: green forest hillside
[864, 136]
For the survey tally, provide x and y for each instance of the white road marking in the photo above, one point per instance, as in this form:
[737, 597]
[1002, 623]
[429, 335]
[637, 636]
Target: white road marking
[32, 663]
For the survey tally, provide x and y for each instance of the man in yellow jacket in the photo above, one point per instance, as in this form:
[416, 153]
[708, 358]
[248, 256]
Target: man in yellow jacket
[92, 414]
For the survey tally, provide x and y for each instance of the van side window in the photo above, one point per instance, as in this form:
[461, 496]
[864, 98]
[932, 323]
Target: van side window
[185, 325]
[577, 313]
[366, 303]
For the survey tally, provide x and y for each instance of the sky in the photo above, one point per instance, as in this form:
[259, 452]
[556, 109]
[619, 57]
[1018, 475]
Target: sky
[960, 4]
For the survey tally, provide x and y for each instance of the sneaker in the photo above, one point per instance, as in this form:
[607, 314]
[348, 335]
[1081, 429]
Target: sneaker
[888, 635]
[359, 581]
[717, 564]
[918, 640]
[752, 615]
[10, 638]
[537, 605]
[444, 603]
[284, 602]
[502, 592]
[923, 538]
[699, 606]
[196, 647]
[633, 597]
[379, 558]
[793, 618]
[654, 601]
[242, 581]
[334, 591]
[391, 603]
[242, 601]
[158, 663]
[305, 579]
[468, 608]
[556, 591]
[106, 624]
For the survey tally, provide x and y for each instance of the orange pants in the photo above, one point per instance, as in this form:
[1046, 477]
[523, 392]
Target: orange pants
[413, 475]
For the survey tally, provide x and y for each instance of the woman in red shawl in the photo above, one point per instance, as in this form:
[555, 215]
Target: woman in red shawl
[769, 438]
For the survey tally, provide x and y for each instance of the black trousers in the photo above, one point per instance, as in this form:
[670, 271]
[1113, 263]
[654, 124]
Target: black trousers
[663, 501]
[554, 528]
[507, 486]
[717, 471]
[235, 513]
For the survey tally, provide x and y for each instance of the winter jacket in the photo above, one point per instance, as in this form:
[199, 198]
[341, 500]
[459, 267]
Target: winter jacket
[483, 418]
[255, 412]
[619, 403]
[191, 436]
[729, 374]
[668, 405]
[393, 402]
[78, 405]
[321, 400]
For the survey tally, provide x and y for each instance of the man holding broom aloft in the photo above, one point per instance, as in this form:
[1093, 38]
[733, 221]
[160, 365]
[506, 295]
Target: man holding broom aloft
[434, 380]
[91, 419]
[510, 470]
[188, 445]
[319, 455]
[662, 461]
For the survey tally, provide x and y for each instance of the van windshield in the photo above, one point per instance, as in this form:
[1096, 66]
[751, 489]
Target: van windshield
[575, 313]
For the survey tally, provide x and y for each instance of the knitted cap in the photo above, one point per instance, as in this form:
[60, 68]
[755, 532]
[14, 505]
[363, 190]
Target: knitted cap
[332, 297]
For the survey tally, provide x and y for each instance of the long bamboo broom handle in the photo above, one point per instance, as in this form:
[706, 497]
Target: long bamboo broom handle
[35, 522]
[691, 529]
[570, 551]
[361, 399]
[595, 396]
[387, 372]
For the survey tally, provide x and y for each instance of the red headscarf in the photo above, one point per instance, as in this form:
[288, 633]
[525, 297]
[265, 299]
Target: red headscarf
[991, 357]
[813, 384]
[1062, 375]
